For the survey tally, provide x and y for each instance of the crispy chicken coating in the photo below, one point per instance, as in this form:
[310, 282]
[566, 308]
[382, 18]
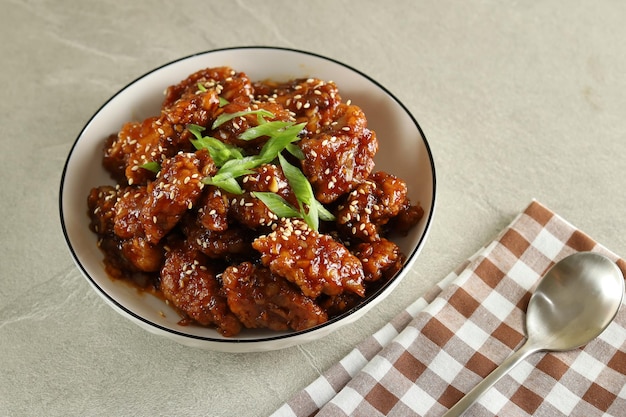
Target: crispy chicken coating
[261, 299]
[213, 209]
[311, 100]
[190, 284]
[114, 217]
[341, 157]
[381, 258]
[371, 205]
[228, 83]
[252, 212]
[176, 189]
[314, 262]
[101, 209]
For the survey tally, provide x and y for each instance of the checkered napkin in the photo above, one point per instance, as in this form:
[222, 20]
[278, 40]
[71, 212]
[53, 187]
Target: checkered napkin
[441, 346]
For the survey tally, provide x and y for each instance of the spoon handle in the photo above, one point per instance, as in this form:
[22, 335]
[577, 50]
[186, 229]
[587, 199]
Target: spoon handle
[476, 392]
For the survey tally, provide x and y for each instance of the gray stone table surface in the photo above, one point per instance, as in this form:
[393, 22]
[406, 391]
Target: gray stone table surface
[518, 99]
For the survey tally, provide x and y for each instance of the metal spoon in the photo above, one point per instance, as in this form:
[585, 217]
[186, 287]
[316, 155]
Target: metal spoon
[573, 303]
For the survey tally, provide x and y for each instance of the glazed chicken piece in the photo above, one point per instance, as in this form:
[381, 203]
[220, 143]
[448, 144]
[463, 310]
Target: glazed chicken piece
[228, 83]
[190, 284]
[261, 299]
[101, 209]
[213, 209]
[175, 190]
[340, 157]
[252, 212]
[371, 205]
[135, 145]
[381, 259]
[113, 213]
[314, 262]
[231, 243]
[311, 101]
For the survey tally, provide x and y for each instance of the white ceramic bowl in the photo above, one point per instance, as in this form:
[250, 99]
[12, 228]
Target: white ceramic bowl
[404, 152]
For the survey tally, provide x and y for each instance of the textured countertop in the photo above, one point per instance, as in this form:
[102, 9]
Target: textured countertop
[518, 100]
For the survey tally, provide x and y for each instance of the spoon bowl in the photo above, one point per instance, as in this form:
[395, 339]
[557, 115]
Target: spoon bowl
[574, 302]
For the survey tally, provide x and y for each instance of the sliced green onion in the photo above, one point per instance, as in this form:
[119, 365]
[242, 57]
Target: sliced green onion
[276, 204]
[151, 166]
[303, 191]
[220, 152]
[266, 129]
[227, 184]
[224, 117]
[295, 150]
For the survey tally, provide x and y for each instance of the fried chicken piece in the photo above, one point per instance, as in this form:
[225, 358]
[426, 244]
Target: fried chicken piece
[213, 209]
[101, 209]
[252, 212]
[311, 100]
[127, 222]
[227, 82]
[261, 299]
[175, 190]
[190, 284]
[134, 145]
[381, 259]
[113, 213]
[371, 205]
[270, 178]
[193, 107]
[233, 242]
[338, 159]
[340, 303]
[314, 262]
[408, 217]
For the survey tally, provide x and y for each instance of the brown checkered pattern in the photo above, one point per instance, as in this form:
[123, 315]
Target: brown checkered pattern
[441, 346]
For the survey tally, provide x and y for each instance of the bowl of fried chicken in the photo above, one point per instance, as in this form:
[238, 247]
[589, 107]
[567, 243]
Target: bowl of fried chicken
[248, 199]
